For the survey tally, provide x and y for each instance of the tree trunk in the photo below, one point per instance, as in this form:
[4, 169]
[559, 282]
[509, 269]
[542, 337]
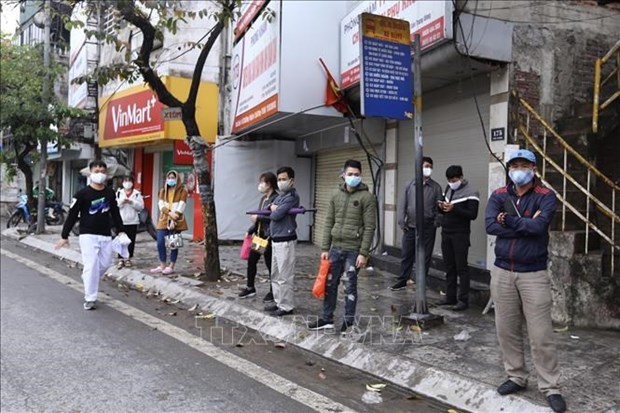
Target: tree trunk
[207, 200]
[23, 166]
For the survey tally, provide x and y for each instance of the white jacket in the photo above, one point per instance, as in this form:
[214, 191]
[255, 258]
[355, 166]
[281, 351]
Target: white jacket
[129, 210]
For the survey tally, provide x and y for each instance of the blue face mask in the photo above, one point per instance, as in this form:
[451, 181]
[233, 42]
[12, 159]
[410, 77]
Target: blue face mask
[521, 177]
[171, 182]
[353, 181]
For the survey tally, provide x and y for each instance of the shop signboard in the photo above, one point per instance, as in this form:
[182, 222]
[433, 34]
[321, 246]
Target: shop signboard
[432, 19]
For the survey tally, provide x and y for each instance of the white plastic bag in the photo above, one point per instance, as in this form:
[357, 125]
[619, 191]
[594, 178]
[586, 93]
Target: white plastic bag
[372, 397]
[462, 336]
[120, 245]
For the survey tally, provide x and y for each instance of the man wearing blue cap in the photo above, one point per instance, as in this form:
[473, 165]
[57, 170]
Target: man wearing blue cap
[519, 214]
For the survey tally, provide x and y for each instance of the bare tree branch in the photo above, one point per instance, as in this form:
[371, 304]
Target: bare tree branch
[135, 17]
[200, 64]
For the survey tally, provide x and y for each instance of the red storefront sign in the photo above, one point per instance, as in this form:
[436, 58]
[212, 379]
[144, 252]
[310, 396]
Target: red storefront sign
[182, 154]
[136, 114]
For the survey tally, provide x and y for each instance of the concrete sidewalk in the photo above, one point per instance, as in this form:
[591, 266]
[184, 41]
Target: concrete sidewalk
[433, 364]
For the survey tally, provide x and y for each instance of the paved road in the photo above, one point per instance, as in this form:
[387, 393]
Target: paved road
[133, 355]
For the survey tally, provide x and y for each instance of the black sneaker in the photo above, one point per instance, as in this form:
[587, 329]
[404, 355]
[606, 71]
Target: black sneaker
[345, 325]
[321, 324]
[89, 305]
[557, 403]
[509, 387]
[460, 306]
[268, 298]
[280, 312]
[247, 293]
[401, 285]
[271, 307]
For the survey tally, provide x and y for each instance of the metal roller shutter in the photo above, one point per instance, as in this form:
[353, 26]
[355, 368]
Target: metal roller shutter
[453, 136]
[327, 178]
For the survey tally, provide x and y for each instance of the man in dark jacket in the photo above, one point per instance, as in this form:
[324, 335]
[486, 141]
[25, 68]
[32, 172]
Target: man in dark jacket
[459, 209]
[519, 215]
[283, 229]
[407, 222]
[349, 230]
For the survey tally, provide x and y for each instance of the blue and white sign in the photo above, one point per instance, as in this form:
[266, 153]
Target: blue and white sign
[386, 84]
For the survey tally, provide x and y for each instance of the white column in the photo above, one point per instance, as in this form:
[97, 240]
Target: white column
[498, 120]
[67, 191]
[390, 184]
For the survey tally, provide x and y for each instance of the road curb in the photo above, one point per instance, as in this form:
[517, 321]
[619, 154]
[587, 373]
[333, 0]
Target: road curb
[462, 392]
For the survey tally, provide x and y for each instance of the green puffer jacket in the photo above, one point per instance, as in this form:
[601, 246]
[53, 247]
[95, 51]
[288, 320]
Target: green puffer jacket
[351, 220]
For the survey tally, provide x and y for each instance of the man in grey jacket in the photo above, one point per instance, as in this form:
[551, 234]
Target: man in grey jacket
[283, 230]
[407, 222]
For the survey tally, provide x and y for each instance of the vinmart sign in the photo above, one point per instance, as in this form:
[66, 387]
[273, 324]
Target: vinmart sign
[133, 115]
[432, 19]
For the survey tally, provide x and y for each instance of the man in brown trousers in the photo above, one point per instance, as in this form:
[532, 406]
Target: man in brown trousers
[519, 215]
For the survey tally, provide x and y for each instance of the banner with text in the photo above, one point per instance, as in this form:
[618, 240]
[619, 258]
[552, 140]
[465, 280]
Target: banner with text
[432, 19]
[386, 78]
[255, 72]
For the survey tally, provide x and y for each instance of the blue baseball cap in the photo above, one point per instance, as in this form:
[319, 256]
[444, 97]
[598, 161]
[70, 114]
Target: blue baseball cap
[522, 154]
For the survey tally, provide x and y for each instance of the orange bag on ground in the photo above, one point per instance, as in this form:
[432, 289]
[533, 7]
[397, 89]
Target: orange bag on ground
[318, 290]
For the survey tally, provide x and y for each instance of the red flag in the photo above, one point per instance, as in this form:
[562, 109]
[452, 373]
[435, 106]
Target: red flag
[333, 94]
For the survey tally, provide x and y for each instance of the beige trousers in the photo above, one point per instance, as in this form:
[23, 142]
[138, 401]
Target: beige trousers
[283, 274]
[518, 297]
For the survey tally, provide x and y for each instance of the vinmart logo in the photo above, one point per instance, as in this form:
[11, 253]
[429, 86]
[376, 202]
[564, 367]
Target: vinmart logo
[133, 115]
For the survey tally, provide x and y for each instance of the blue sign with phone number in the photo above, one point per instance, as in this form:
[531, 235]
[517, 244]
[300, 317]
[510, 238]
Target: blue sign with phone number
[386, 79]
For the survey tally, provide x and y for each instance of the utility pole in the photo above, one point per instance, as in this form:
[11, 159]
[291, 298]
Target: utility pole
[46, 94]
[419, 315]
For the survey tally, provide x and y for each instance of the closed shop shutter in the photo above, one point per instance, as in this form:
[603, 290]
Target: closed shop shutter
[327, 178]
[453, 136]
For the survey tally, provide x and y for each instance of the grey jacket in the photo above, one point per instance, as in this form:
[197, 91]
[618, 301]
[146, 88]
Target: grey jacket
[283, 225]
[406, 204]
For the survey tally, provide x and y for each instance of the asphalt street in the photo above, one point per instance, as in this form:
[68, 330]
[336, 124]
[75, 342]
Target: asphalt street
[135, 354]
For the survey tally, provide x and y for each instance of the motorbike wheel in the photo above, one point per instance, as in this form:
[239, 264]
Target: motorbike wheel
[59, 218]
[14, 220]
[150, 228]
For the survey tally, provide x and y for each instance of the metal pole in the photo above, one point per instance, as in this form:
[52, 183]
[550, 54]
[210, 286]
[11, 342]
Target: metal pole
[420, 306]
[46, 100]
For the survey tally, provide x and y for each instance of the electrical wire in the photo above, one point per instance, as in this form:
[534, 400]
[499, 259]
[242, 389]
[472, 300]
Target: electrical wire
[471, 74]
[232, 138]
[534, 23]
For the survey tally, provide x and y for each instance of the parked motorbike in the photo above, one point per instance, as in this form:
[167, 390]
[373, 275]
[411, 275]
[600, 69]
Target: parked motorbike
[146, 224]
[23, 218]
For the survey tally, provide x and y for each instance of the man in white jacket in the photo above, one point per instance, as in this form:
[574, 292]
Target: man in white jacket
[130, 203]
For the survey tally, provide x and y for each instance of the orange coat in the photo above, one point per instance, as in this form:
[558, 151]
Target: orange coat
[179, 201]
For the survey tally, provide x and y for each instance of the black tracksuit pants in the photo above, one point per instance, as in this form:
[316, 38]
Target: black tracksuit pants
[455, 248]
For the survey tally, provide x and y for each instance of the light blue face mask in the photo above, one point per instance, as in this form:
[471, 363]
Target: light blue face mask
[353, 181]
[171, 182]
[521, 177]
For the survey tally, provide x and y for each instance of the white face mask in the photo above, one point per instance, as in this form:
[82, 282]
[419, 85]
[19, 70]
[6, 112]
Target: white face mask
[285, 186]
[454, 185]
[98, 178]
[127, 185]
[427, 172]
[262, 187]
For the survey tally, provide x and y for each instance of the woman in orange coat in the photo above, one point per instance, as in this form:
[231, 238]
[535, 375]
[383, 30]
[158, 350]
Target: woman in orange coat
[172, 201]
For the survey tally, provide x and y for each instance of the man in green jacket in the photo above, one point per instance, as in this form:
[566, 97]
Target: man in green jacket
[349, 230]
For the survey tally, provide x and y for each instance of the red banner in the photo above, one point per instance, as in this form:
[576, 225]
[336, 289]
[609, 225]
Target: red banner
[133, 115]
[249, 14]
[182, 154]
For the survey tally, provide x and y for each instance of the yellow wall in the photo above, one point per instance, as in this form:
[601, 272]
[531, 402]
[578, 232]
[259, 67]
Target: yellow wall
[206, 114]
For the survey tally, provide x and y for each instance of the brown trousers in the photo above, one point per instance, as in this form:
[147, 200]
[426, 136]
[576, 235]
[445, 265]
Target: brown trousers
[518, 297]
